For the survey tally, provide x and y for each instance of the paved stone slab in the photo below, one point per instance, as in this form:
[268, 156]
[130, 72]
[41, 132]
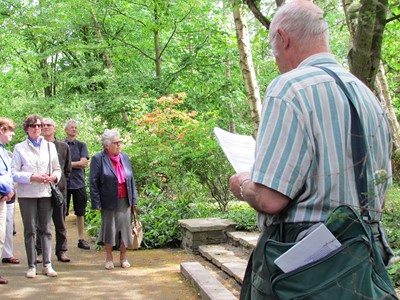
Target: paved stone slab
[222, 253]
[207, 224]
[245, 238]
[235, 270]
[209, 287]
[204, 231]
[232, 260]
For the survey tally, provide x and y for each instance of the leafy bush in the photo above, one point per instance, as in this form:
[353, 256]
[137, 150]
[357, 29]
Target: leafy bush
[171, 143]
[93, 221]
[391, 217]
[243, 215]
[201, 155]
[392, 225]
[159, 217]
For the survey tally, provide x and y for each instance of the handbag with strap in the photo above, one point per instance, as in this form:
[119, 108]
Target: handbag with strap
[137, 230]
[57, 198]
[356, 269]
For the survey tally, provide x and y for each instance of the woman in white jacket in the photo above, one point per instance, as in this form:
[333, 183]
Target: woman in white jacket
[35, 164]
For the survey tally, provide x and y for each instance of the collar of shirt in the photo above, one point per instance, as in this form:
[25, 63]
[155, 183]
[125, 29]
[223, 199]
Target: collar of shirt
[69, 143]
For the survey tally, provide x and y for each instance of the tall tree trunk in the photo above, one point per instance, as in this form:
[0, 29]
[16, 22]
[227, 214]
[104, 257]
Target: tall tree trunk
[367, 34]
[44, 69]
[386, 101]
[232, 124]
[246, 64]
[157, 54]
[382, 89]
[105, 55]
[54, 61]
[366, 25]
[43, 65]
[157, 49]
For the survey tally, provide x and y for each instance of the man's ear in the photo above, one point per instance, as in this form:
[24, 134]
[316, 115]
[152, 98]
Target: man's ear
[283, 38]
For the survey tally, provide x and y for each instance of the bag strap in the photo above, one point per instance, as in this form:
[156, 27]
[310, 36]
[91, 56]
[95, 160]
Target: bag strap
[134, 214]
[48, 148]
[357, 144]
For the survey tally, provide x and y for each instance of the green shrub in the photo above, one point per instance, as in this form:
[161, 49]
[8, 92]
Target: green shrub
[159, 219]
[171, 143]
[392, 225]
[93, 222]
[243, 215]
[391, 217]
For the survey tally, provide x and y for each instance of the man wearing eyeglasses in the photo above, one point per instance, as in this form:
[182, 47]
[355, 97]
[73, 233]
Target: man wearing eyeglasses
[64, 157]
[76, 185]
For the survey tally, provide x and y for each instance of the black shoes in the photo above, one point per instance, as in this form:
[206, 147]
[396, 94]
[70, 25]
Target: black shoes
[82, 244]
[63, 257]
[10, 260]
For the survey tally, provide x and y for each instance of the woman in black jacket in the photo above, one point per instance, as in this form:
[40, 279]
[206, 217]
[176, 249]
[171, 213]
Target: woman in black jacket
[113, 192]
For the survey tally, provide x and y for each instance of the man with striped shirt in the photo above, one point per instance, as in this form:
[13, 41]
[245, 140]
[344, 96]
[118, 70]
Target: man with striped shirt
[303, 160]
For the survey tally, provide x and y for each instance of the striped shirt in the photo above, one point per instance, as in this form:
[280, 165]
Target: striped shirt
[303, 147]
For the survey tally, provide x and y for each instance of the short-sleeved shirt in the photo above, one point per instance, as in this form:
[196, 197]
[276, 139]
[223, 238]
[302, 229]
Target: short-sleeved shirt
[303, 147]
[76, 180]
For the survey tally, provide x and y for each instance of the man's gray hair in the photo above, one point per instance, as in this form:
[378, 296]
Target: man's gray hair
[49, 121]
[303, 21]
[108, 136]
[67, 123]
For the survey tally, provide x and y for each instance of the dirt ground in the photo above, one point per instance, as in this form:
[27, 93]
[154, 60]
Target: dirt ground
[154, 274]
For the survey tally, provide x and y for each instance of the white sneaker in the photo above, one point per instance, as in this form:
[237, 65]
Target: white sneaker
[31, 273]
[49, 271]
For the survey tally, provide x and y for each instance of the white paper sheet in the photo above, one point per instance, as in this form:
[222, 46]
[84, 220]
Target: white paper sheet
[239, 149]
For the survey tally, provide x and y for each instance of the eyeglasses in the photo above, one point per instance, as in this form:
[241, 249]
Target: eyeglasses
[10, 129]
[47, 125]
[35, 125]
[117, 143]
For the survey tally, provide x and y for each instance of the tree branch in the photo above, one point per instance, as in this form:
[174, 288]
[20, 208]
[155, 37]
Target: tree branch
[394, 18]
[252, 4]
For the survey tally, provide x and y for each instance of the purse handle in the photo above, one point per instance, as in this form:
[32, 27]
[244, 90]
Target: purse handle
[48, 148]
[134, 214]
[357, 145]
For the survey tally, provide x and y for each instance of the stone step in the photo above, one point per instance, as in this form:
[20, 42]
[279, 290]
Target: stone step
[244, 240]
[207, 285]
[232, 260]
[225, 254]
[204, 231]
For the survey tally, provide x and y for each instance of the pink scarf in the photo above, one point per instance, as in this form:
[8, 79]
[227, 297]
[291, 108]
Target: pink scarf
[118, 167]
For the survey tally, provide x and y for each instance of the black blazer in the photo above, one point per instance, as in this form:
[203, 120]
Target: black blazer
[104, 183]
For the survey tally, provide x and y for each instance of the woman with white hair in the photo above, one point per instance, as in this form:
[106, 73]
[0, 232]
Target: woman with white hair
[113, 192]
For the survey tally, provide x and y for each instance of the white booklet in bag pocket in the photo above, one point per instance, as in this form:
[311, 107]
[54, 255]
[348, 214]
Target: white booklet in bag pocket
[316, 245]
